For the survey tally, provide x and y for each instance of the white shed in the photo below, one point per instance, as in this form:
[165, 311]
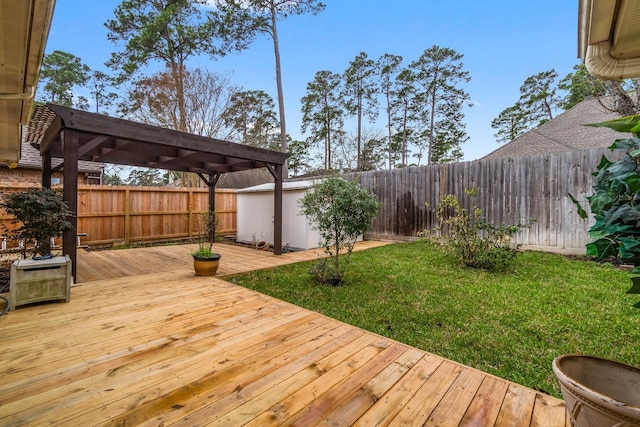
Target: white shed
[255, 216]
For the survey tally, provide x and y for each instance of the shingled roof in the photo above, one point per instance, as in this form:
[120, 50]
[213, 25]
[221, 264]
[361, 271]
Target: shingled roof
[566, 132]
[33, 133]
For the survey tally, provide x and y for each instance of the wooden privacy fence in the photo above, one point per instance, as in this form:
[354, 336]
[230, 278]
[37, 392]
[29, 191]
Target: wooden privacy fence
[128, 214]
[509, 189]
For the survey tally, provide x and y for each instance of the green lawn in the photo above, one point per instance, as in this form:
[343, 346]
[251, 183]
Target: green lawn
[509, 324]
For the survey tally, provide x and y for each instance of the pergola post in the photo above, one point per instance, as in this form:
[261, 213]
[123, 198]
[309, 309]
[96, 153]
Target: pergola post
[277, 211]
[213, 180]
[69, 140]
[46, 169]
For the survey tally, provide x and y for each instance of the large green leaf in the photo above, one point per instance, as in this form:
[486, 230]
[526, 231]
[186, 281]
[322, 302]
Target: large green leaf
[600, 203]
[604, 163]
[581, 212]
[624, 124]
[628, 251]
[635, 285]
[622, 168]
[633, 183]
[630, 243]
[626, 214]
[625, 144]
[602, 248]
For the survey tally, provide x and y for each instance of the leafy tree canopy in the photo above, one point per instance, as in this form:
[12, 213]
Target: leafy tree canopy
[439, 72]
[542, 97]
[240, 21]
[147, 177]
[252, 118]
[61, 72]
[168, 31]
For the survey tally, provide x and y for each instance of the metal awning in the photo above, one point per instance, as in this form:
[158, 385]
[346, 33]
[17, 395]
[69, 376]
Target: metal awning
[24, 28]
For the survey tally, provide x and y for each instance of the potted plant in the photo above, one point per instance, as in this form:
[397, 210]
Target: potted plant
[599, 391]
[205, 261]
[42, 214]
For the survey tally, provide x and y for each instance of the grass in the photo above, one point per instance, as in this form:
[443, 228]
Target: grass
[509, 324]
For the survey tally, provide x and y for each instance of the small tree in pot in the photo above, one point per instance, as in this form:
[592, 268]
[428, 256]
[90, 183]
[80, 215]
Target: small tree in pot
[42, 214]
[205, 261]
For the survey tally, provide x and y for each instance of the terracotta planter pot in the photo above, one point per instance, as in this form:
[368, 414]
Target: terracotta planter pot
[206, 266]
[599, 392]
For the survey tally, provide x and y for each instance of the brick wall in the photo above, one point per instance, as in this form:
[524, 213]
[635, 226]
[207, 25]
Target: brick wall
[21, 177]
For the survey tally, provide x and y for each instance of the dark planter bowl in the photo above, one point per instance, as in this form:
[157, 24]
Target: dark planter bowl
[206, 265]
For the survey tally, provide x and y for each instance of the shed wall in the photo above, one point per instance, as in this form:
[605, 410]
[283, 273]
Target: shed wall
[255, 219]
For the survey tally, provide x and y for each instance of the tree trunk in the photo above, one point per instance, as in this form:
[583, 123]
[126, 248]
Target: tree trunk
[389, 131]
[623, 104]
[404, 137]
[359, 137]
[432, 125]
[283, 127]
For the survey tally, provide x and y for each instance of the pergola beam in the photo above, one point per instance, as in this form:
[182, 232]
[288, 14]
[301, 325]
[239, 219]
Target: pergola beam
[79, 135]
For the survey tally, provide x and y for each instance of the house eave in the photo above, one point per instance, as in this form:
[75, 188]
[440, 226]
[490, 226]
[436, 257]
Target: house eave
[609, 38]
[24, 28]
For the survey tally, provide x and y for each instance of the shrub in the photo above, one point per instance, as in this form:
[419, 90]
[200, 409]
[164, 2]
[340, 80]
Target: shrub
[341, 211]
[615, 203]
[206, 223]
[42, 214]
[471, 238]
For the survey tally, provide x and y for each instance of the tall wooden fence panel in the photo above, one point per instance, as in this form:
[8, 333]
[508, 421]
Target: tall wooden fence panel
[509, 190]
[108, 214]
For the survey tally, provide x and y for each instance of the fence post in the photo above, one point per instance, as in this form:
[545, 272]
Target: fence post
[127, 219]
[190, 214]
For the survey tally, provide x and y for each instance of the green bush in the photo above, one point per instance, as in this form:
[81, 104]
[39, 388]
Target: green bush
[341, 211]
[615, 203]
[42, 214]
[471, 238]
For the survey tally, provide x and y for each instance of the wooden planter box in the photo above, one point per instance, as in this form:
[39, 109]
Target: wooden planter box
[43, 280]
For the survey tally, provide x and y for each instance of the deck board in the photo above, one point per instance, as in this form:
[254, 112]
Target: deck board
[169, 348]
[110, 264]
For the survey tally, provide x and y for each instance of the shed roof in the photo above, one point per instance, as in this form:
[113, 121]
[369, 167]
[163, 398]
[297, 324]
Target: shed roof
[269, 186]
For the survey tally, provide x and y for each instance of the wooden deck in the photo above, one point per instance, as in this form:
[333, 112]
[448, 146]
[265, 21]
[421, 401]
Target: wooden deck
[170, 348]
[99, 265]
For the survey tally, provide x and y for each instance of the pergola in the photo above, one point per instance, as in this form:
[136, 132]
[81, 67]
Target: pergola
[79, 135]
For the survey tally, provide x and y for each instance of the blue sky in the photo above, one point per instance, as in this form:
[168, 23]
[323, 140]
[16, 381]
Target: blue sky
[503, 43]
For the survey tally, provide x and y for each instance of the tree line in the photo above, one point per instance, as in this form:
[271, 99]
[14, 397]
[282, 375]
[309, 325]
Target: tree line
[544, 95]
[168, 33]
[421, 104]
[402, 112]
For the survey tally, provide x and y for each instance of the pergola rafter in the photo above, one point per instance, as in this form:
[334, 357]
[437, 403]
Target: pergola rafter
[77, 135]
